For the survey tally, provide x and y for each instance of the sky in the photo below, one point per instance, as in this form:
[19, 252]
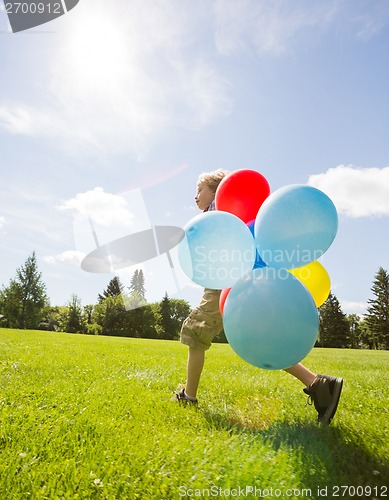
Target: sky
[109, 113]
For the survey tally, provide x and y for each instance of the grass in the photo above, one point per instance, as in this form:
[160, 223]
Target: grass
[91, 417]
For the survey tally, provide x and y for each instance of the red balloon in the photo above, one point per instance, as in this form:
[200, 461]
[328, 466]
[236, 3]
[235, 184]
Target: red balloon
[241, 193]
[222, 299]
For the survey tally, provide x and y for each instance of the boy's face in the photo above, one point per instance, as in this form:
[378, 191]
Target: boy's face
[204, 195]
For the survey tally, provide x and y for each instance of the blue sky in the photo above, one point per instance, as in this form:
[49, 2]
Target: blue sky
[114, 109]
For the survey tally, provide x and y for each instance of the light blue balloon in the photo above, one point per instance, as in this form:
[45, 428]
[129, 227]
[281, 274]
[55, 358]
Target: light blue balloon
[295, 226]
[270, 319]
[218, 248]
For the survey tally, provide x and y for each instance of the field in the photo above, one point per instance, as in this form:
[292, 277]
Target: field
[92, 417]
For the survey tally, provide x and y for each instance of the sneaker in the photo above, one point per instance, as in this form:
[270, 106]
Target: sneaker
[324, 392]
[181, 396]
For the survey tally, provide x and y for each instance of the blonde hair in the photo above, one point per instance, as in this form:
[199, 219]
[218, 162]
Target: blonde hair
[212, 179]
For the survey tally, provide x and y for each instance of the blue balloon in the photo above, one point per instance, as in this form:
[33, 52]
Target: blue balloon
[218, 248]
[295, 226]
[270, 319]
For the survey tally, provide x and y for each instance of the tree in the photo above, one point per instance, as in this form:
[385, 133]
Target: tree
[166, 320]
[111, 316]
[142, 323]
[73, 320]
[33, 293]
[114, 319]
[138, 284]
[355, 332]
[170, 315]
[10, 305]
[221, 338]
[377, 317]
[180, 310]
[60, 318]
[50, 318]
[334, 327]
[367, 339]
[114, 289]
[88, 311]
[133, 301]
[23, 301]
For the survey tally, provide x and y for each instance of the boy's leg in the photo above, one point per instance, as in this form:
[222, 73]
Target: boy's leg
[197, 332]
[301, 373]
[193, 371]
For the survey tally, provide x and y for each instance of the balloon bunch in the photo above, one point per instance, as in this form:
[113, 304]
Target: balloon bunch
[261, 249]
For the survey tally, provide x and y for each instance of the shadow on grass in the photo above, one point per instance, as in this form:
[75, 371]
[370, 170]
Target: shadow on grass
[327, 456]
[336, 451]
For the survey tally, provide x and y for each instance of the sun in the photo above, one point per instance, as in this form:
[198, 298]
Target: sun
[98, 51]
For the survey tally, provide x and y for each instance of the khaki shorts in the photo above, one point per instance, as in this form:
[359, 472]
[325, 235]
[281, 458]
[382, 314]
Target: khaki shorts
[203, 323]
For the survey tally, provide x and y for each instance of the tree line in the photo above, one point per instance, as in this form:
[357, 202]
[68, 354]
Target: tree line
[121, 311]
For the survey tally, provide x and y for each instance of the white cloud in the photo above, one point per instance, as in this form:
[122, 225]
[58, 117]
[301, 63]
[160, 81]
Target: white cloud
[281, 26]
[356, 192]
[370, 22]
[350, 307]
[106, 208]
[2, 221]
[101, 217]
[17, 119]
[269, 27]
[70, 256]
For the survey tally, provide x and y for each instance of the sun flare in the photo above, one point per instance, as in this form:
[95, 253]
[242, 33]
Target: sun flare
[98, 51]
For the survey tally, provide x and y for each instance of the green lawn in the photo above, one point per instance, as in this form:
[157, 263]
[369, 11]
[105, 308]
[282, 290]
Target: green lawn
[92, 417]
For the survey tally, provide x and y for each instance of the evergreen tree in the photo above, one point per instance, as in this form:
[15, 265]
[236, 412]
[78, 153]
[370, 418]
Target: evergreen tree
[166, 320]
[334, 327]
[170, 315]
[23, 301]
[114, 289]
[138, 284]
[377, 317]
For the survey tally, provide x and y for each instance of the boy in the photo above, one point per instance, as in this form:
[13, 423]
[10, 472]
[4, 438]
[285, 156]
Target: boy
[204, 323]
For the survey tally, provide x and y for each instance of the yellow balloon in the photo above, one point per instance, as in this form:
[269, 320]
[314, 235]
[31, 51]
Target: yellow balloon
[316, 279]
